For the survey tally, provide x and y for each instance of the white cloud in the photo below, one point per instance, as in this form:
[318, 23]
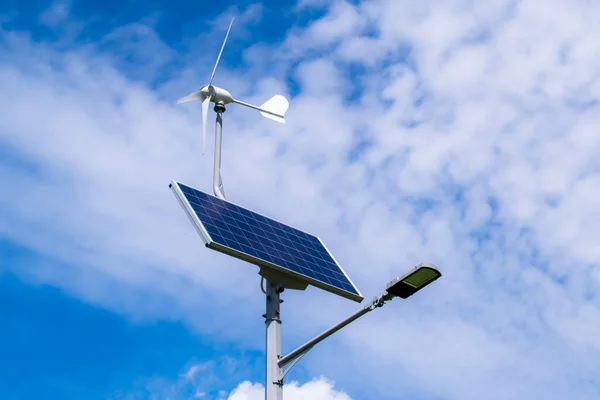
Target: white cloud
[193, 370]
[318, 389]
[482, 157]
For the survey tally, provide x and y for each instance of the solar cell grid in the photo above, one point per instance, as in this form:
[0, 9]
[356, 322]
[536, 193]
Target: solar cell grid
[267, 242]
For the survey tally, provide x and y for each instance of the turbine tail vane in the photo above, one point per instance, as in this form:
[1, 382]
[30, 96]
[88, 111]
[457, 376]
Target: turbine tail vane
[275, 108]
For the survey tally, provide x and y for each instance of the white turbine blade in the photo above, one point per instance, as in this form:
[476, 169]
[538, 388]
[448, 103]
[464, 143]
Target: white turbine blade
[205, 104]
[191, 97]
[220, 53]
[199, 95]
[275, 108]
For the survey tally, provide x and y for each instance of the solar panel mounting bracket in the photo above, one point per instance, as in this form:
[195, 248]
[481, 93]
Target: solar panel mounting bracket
[284, 280]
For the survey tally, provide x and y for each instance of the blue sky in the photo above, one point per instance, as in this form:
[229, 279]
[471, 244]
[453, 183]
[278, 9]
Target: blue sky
[60, 347]
[451, 132]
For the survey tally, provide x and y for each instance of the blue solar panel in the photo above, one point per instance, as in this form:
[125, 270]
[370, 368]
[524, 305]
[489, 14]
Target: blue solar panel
[239, 232]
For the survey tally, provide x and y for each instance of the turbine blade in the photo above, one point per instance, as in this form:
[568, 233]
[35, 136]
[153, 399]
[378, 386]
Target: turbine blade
[191, 97]
[205, 104]
[275, 108]
[220, 53]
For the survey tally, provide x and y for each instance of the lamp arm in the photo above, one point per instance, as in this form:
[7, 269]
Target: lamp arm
[300, 351]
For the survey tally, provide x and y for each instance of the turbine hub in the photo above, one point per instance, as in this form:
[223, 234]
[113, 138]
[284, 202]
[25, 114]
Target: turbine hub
[208, 91]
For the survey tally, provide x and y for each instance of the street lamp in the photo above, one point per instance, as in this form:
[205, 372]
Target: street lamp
[403, 287]
[413, 281]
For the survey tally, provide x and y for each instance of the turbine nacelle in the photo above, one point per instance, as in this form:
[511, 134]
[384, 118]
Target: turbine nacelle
[219, 95]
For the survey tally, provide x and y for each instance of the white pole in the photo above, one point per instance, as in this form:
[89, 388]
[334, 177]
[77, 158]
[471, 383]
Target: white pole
[217, 181]
[273, 375]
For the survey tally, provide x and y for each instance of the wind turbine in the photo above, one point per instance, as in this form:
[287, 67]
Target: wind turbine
[274, 109]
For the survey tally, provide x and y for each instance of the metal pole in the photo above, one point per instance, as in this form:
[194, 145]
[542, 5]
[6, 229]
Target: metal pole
[217, 181]
[273, 375]
[377, 302]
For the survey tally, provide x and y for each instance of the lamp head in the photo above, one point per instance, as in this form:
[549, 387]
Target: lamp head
[413, 281]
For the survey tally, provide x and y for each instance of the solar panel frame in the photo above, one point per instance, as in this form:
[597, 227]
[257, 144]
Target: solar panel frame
[212, 244]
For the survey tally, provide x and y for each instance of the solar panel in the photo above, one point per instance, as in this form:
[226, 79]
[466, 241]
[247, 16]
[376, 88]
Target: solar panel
[252, 237]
